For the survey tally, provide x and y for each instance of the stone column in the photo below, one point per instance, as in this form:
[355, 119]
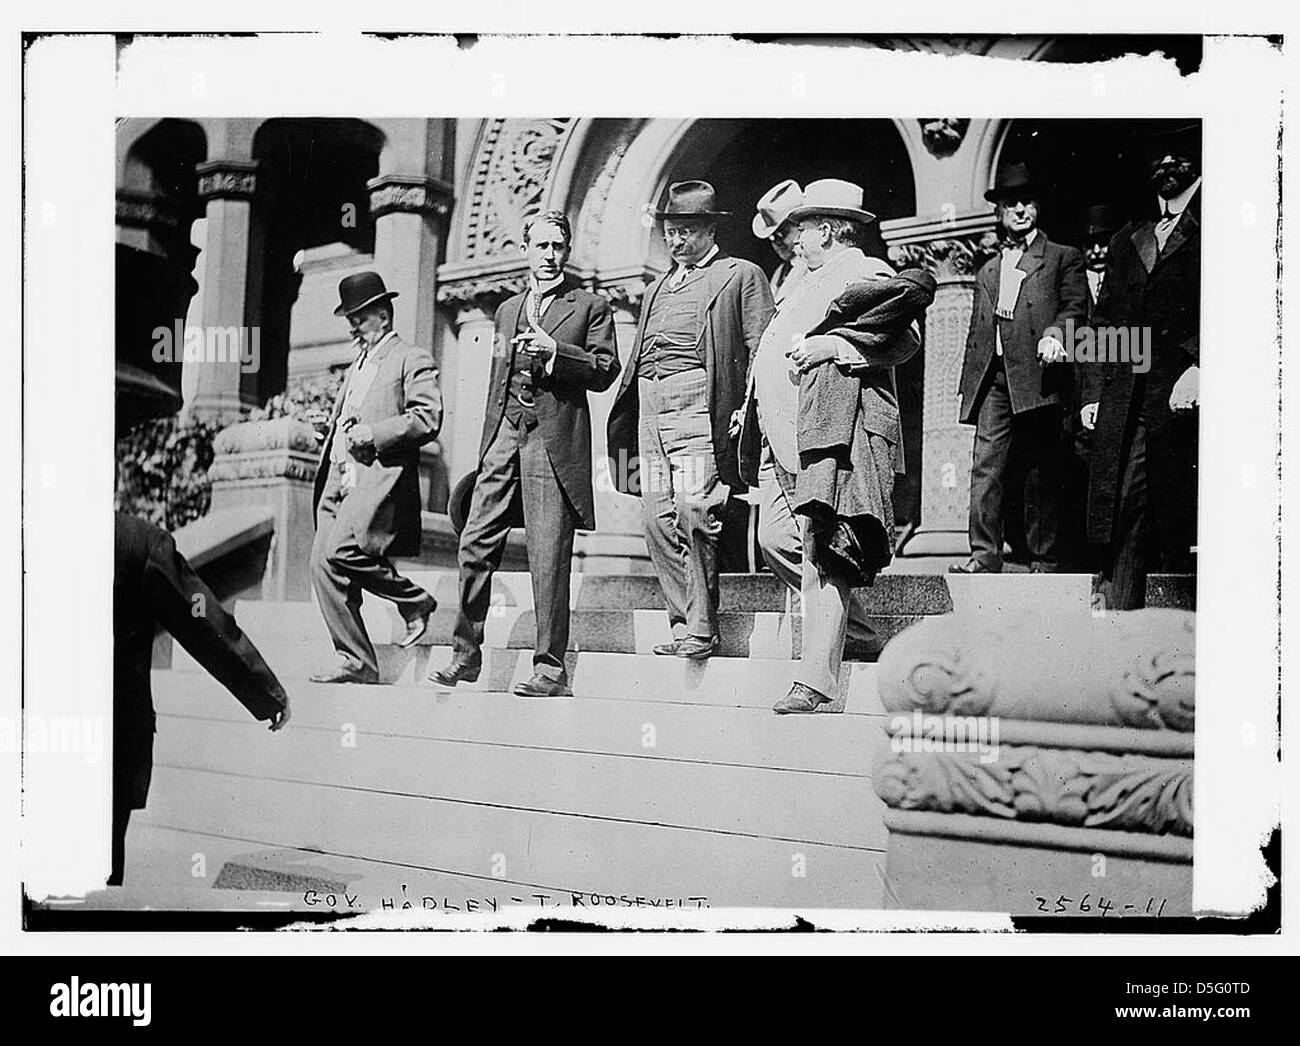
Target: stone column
[410, 212]
[232, 279]
[952, 251]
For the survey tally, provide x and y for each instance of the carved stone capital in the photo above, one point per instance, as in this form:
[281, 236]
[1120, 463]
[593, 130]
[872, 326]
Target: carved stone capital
[227, 179]
[946, 257]
[409, 194]
[1130, 793]
[626, 293]
[146, 211]
[484, 291]
[282, 448]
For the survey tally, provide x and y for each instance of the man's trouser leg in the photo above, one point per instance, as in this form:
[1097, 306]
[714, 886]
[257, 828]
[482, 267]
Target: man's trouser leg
[549, 525]
[666, 544]
[1041, 435]
[1131, 540]
[483, 541]
[699, 496]
[337, 591]
[988, 469]
[780, 537]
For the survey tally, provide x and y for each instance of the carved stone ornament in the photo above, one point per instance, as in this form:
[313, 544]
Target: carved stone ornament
[1131, 793]
[145, 210]
[484, 292]
[282, 448]
[227, 179]
[943, 135]
[946, 256]
[410, 195]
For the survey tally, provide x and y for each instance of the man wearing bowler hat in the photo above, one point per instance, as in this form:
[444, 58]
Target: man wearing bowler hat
[1016, 381]
[668, 438]
[554, 343]
[1142, 479]
[367, 493]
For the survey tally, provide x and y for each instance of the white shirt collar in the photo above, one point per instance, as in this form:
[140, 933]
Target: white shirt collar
[543, 290]
[372, 348]
[703, 261]
[1029, 240]
[1175, 205]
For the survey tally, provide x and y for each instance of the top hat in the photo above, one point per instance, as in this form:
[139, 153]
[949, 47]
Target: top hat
[1183, 139]
[833, 198]
[1099, 222]
[691, 200]
[774, 207]
[359, 290]
[1013, 181]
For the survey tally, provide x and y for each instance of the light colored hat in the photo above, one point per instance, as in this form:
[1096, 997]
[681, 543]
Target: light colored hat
[774, 208]
[833, 198]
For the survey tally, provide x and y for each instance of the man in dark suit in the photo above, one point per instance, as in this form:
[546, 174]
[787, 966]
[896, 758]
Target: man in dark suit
[367, 493]
[668, 439]
[1142, 484]
[154, 586]
[554, 343]
[1015, 380]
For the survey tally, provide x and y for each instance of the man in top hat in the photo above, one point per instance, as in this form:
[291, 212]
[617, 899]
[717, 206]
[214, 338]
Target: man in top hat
[554, 344]
[668, 438]
[367, 492]
[1142, 482]
[771, 223]
[1016, 381]
[829, 226]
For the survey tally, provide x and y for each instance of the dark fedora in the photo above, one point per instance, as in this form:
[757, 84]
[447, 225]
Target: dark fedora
[359, 290]
[1099, 222]
[1013, 181]
[1180, 139]
[459, 498]
[691, 200]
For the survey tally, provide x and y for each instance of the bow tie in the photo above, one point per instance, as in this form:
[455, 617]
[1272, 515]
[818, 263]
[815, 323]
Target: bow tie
[1011, 245]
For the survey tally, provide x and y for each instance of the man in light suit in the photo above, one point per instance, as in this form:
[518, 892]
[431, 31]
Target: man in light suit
[367, 492]
[668, 438]
[1016, 381]
[554, 344]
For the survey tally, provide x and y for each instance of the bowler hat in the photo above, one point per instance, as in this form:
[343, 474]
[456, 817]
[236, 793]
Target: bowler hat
[359, 290]
[458, 502]
[691, 199]
[774, 207]
[1013, 181]
[832, 198]
[1099, 222]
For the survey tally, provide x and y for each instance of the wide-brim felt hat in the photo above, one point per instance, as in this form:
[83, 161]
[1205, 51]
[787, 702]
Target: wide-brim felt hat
[691, 199]
[832, 198]
[458, 503]
[359, 290]
[1014, 180]
[1100, 222]
[774, 208]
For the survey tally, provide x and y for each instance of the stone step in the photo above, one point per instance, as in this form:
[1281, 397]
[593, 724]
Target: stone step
[766, 634]
[567, 852]
[796, 805]
[651, 729]
[742, 682]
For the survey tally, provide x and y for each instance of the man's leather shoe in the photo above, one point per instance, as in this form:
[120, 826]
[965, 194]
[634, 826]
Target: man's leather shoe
[416, 626]
[1044, 568]
[974, 566]
[456, 672]
[668, 649]
[800, 699]
[345, 674]
[697, 648]
[543, 686]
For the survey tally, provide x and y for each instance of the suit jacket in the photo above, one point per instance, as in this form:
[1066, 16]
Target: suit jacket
[740, 306]
[403, 408]
[586, 360]
[154, 586]
[1161, 291]
[1055, 288]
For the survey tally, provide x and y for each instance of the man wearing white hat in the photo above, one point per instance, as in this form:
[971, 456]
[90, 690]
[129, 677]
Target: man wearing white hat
[829, 226]
[771, 223]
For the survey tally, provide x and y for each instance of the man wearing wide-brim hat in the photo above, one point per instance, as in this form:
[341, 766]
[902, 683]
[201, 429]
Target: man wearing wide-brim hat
[1016, 381]
[668, 436]
[772, 223]
[1142, 498]
[819, 432]
[367, 490]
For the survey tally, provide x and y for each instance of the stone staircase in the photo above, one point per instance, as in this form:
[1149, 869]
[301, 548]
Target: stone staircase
[662, 782]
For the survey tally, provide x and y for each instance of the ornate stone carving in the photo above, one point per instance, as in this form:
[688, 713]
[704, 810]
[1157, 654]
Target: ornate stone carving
[282, 448]
[409, 194]
[592, 216]
[946, 257]
[509, 180]
[483, 292]
[624, 294]
[1159, 690]
[146, 210]
[227, 179]
[942, 135]
[1130, 793]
